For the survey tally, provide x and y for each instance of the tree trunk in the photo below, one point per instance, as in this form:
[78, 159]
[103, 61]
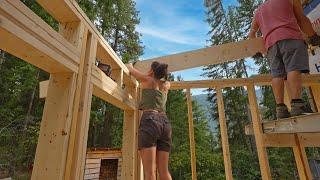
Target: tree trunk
[28, 116]
[108, 121]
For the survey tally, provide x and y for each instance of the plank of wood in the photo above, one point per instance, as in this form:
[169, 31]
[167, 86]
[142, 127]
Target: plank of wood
[43, 89]
[309, 139]
[298, 124]
[224, 134]
[31, 20]
[258, 80]
[108, 90]
[91, 176]
[258, 134]
[60, 10]
[191, 136]
[207, 56]
[92, 166]
[24, 46]
[104, 52]
[129, 145]
[51, 153]
[315, 88]
[303, 168]
[32, 41]
[92, 171]
[104, 88]
[93, 161]
[279, 140]
[81, 113]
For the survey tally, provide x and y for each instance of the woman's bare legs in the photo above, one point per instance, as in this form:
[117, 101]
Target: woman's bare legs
[162, 165]
[148, 156]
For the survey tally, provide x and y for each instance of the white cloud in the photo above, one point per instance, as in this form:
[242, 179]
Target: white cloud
[170, 36]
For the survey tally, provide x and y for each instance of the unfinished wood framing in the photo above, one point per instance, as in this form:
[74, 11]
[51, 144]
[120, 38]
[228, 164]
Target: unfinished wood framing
[206, 56]
[259, 80]
[299, 124]
[315, 88]
[69, 56]
[129, 145]
[258, 134]
[224, 135]
[52, 148]
[191, 136]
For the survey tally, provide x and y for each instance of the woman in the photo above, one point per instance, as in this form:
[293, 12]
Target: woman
[155, 130]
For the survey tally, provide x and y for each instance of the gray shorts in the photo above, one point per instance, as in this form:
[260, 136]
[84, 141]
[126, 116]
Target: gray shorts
[288, 55]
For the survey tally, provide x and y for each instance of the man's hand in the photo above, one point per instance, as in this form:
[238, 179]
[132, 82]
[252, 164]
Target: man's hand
[314, 40]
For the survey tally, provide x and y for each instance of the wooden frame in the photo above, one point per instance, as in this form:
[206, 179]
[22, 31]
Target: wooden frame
[69, 56]
[191, 136]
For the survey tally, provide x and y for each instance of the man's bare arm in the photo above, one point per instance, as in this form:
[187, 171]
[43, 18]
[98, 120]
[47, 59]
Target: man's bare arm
[303, 21]
[254, 29]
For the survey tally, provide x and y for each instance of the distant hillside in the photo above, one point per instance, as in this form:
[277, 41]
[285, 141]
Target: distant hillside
[201, 99]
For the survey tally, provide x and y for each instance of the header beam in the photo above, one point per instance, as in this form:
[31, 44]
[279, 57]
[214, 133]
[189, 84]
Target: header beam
[207, 56]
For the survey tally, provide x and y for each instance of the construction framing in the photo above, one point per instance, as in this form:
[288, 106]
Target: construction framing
[69, 56]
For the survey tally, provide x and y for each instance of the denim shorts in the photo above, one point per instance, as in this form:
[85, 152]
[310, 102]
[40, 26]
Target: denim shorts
[288, 55]
[155, 130]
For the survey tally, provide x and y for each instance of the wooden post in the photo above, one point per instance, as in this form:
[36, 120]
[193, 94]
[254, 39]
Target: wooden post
[51, 153]
[301, 160]
[82, 108]
[191, 136]
[287, 98]
[224, 135]
[258, 134]
[139, 167]
[129, 145]
[316, 95]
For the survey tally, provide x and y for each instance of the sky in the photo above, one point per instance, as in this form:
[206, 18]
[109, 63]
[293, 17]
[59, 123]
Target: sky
[173, 26]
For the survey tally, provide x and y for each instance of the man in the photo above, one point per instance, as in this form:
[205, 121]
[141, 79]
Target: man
[281, 23]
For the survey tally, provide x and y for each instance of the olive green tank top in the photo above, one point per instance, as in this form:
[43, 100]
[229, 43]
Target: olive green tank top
[153, 99]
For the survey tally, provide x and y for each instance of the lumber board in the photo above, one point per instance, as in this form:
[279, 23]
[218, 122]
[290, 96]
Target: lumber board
[82, 109]
[92, 171]
[108, 90]
[105, 154]
[43, 89]
[302, 163]
[207, 56]
[51, 153]
[258, 134]
[104, 52]
[309, 139]
[258, 80]
[129, 145]
[299, 124]
[32, 40]
[92, 161]
[224, 134]
[104, 88]
[60, 10]
[315, 88]
[91, 176]
[191, 136]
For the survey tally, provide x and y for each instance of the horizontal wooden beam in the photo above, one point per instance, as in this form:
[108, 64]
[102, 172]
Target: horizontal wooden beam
[25, 35]
[104, 154]
[74, 13]
[207, 56]
[259, 80]
[108, 90]
[104, 88]
[61, 10]
[299, 124]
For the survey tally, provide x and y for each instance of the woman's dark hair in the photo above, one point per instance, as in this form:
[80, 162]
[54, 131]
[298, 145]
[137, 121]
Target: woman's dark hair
[160, 70]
